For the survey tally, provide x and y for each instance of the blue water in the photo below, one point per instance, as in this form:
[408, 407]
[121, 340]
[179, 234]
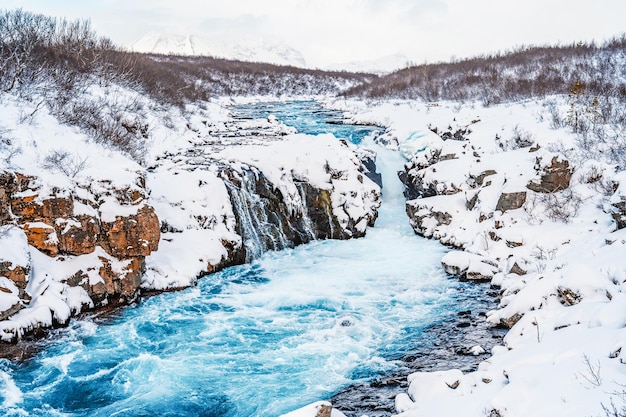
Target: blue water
[261, 339]
[307, 116]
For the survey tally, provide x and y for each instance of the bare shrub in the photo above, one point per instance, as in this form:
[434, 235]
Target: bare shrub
[65, 162]
[559, 206]
[520, 138]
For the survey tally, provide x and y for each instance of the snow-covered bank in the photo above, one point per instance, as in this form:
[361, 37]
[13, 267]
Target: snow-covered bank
[532, 213]
[85, 226]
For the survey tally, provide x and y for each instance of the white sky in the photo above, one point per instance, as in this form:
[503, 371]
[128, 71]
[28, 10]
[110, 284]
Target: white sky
[336, 31]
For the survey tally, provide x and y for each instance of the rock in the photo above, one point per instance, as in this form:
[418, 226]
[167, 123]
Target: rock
[516, 269]
[15, 308]
[511, 201]
[118, 287]
[480, 271]
[619, 214]
[368, 163]
[555, 177]
[26, 207]
[567, 296]
[403, 403]
[324, 410]
[510, 321]
[16, 273]
[132, 236]
[475, 181]
[57, 208]
[77, 236]
[468, 266]
[43, 237]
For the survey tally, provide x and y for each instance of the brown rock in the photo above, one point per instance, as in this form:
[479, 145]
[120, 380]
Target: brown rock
[324, 410]
[42, 236]
[567, 296]
[118, 287]
[555, 177]
[57, 208]
[16, 273]
[517, 270]
[11, 310]
[26, 207]
[132, 236]
[77, 239]
[510, 321]
[511, 201]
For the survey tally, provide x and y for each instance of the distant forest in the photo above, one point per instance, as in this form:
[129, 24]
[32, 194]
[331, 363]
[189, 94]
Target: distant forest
[526, 72]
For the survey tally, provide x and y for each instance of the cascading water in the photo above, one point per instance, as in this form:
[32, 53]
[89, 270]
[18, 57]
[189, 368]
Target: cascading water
[261, 339]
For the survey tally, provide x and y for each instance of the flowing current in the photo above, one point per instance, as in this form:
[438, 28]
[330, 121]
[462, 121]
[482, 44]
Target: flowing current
[261, 339]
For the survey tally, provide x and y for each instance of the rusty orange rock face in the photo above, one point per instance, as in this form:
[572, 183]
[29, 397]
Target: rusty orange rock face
[42, 237]
[132, 236]
[77, 239]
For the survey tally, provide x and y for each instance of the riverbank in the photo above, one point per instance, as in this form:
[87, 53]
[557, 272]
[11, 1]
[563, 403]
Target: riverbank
[533, 215]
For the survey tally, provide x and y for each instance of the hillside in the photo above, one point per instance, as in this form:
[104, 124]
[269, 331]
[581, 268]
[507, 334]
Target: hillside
[525, 72]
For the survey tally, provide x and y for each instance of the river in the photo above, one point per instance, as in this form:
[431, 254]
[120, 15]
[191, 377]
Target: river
[261, 339]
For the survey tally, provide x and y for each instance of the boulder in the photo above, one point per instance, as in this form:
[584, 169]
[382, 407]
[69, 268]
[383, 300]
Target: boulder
[554, 177]
[511, 201]
[475, 181]
[117, 286]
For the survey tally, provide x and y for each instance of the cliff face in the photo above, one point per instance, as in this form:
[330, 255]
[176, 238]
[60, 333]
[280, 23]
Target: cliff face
[75, 245]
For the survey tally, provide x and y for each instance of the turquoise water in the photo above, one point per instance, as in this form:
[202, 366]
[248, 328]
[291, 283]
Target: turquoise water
[260, 339]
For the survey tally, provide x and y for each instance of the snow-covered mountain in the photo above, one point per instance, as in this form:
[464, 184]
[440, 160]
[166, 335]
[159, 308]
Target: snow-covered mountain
[382, 65]
[243, 49]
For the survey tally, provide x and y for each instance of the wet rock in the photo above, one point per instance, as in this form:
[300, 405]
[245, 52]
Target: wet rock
[368, 162]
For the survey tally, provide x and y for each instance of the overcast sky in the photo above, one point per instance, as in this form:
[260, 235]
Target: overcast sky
[337, 31]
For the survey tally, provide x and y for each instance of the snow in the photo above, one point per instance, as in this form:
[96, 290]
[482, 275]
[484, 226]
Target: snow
[312, 410]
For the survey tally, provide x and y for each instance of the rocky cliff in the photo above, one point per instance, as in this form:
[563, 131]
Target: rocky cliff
[74, 248]
[95, 243]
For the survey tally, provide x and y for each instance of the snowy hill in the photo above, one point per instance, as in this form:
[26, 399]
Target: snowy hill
[244, 49]
[382, 65]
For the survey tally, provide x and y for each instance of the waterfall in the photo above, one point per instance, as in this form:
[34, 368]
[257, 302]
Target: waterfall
[263, 219]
